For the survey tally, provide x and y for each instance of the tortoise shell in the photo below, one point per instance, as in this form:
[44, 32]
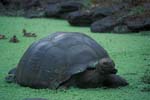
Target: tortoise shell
[54, 59]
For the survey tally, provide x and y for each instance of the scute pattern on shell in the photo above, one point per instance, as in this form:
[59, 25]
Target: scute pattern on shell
[54, 59]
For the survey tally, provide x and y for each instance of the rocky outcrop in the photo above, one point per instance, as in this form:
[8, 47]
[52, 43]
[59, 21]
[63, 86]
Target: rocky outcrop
[121, 29]
[102, 12]
[61, 10]
[118, 18]
[80, 18]
[105, 25]
[138, 23]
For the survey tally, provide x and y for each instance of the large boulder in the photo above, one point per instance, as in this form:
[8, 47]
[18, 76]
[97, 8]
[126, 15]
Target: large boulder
[52, 10]
[101, 12]
[80, 18]
[105, 25]
[1, 6]
[11, 4]
[138, 23]
[62, 9]
[121, 29]
[4, 2]
[28, 4]
[146, 6]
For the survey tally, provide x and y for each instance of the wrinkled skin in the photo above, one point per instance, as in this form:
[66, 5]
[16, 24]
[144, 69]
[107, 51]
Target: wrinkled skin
[103, 75]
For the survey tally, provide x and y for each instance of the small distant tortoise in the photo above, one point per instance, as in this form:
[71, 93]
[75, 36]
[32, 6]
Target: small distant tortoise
[66, 59]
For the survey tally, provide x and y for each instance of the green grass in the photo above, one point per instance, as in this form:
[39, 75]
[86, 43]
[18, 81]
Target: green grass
[131, 53]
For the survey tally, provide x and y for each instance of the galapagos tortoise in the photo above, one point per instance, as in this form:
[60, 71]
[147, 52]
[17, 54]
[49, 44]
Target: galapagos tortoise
[66, 59]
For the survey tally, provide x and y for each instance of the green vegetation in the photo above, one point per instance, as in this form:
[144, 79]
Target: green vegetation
[129, 51]
[146, 77]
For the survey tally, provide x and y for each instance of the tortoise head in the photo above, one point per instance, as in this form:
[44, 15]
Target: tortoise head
[106, 66]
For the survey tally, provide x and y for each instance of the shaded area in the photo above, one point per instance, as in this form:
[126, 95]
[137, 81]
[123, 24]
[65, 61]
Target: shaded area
[116, 16]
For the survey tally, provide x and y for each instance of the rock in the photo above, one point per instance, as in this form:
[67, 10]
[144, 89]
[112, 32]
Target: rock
[121, 29]
[138, 23]
[2, 9]
[146, 6]
[28, 4]
[5, 2]
[70, 6]
[101, 12]
[105, 25]
[52, 10]
[35, 99]
[80, 18]
[34, 14]
[62, 9]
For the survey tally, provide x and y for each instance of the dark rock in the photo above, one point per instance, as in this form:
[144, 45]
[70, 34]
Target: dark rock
[2, 7]
[28, 4]
[121, 29]
[52, 10]
[146, 6]
[4, 2]
[70, 6]
[80, 18]
[62, 9]
[35, 99]
[136, 24]
[10, 4]
[101, 12]
[34, 14]
[105, 25]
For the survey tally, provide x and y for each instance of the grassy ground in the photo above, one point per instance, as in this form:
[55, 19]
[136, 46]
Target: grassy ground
[129, 51]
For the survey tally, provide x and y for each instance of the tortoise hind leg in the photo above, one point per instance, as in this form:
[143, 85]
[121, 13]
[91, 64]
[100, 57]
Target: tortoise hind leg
[10, 78]
[67, 84]
[114, 81]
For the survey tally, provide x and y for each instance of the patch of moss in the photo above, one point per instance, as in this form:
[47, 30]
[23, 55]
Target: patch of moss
[146, 89]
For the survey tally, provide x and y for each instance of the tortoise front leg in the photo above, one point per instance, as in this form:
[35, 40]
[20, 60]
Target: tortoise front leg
[114, 81]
